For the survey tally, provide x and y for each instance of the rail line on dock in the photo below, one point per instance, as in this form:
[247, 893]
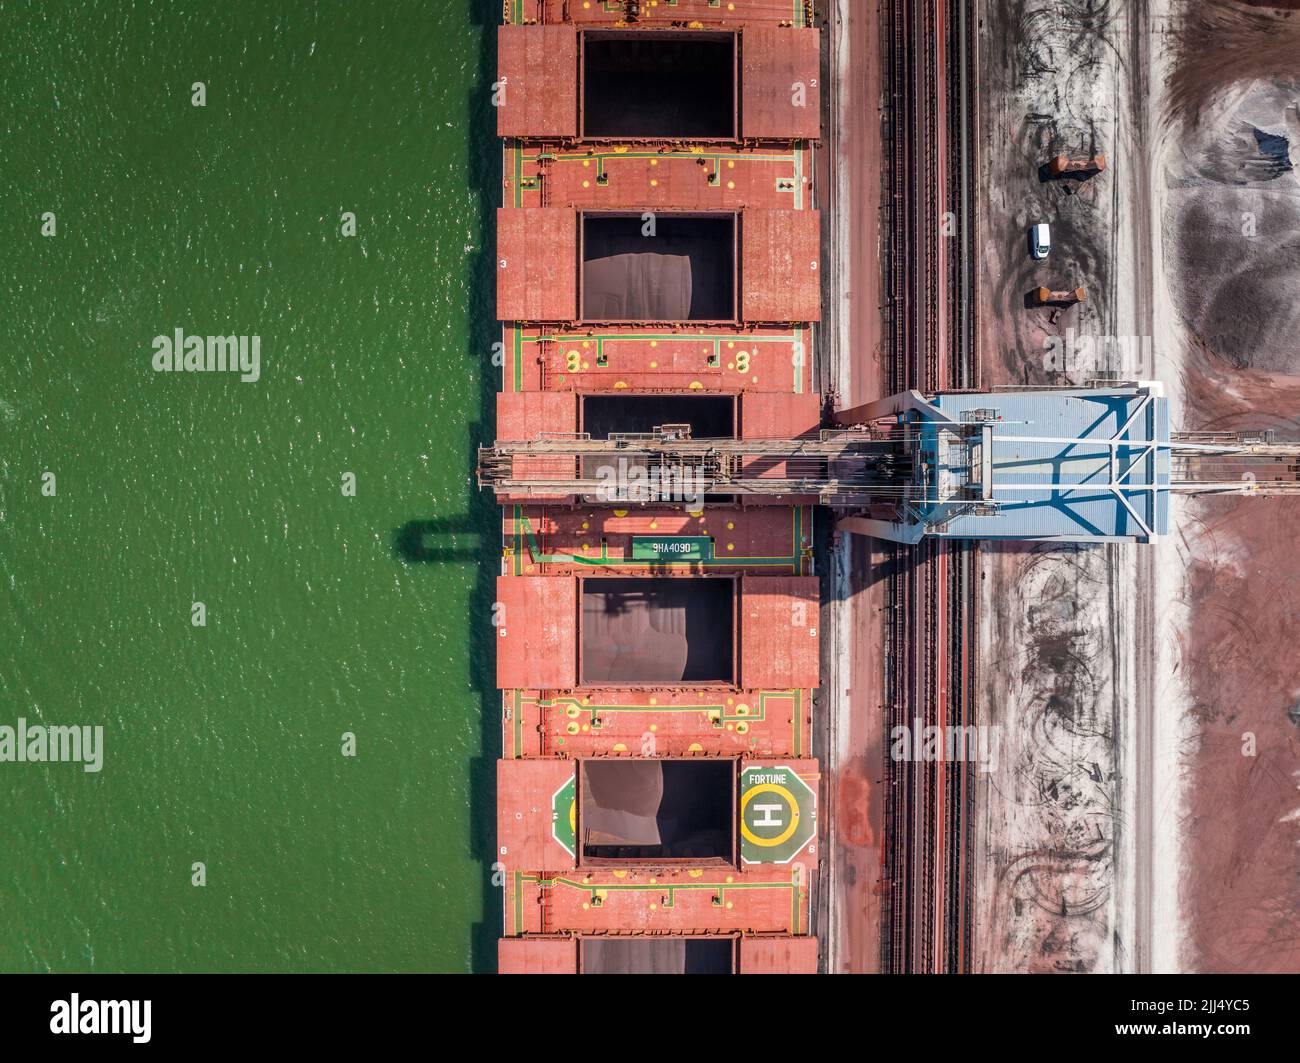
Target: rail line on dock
[930, 670]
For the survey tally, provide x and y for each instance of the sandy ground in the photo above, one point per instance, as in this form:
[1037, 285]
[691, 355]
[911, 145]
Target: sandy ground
[1126, 830]
[852, 677]
[1060, 884]
[855, 28]
[1231, 212]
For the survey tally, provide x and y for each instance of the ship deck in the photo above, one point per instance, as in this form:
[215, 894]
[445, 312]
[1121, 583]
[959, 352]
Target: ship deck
[596, 602]
[626, 176]
[614, 12]
[565, 541]
[770, 899]
[663, 358]
[665, 722]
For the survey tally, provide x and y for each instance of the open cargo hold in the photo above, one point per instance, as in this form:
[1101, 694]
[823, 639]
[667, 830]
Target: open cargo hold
[658, 955]
[761, 265]
[758, 83]
[660, 86]
[710, 416]
[658, 810]
[658, 630]
[659, 267]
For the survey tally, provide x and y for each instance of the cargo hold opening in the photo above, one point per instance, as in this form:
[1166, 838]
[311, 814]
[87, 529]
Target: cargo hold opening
[657, 630]
[710, 416]
[663, 86]
[657, 955]
[657, 809]
[684, 270]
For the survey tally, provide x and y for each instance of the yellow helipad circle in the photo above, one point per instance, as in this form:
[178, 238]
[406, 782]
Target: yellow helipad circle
[785, 835]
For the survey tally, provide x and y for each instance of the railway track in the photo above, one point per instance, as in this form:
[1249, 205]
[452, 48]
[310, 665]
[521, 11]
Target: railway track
[930, 670]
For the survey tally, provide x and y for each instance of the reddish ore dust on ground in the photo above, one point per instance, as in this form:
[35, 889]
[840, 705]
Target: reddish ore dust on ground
[1242, 893]
[1236, 89]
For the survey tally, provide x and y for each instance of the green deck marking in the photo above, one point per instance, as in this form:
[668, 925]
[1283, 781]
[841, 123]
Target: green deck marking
[523, 537]
[778, 812]
[639, 887]
[593, 892]
[602, 156]
[725, 715]
[516, 719]
[692, 337]
[794, 561]
[515, 542]
[796, 723]
[796, 339]
[672, 548]
[563, 815]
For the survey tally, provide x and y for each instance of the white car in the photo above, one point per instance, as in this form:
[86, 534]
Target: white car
[1040, 240]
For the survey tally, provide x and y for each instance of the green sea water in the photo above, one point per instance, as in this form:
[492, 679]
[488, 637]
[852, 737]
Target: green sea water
[325, 613]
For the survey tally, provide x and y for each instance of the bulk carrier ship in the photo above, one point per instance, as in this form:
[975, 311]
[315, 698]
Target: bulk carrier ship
[658, 264]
